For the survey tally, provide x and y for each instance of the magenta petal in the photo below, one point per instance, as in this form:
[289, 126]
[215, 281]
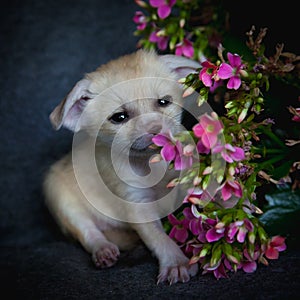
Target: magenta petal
[272, 253]
[281, 248]
[172, 233]
[232, 231]
[194, 227]
[178, 163]
[220, 272]
[160, 140]
[209, 141]
[241, 235]
[277, 240]
[173, 220]
[188, 213]
[211, 222]
[157, 3]
[207, 64]
[198, 130]
[226, 192]
[201, 148]
[188, 51]
[168, 152]
[238, 191]
[206, 79]
[234, 59]
[227, 264]
[238, 154]
[217, 149]
[226, 157]
[225, 71]
[249, 267]
[229, 147]
[213, 236]
[181, 235]
[164, 11]
[153, 37]
[178, 51]
[142, 26]
[249, 225]
[234, 83]
[137, 17]
[162, 43]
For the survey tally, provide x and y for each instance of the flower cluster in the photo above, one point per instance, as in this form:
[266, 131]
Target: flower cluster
[224, 241]
[224, 157]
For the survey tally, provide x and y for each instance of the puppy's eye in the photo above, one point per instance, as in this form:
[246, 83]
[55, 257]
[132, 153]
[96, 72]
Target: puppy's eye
[119, 117]
[164, 101]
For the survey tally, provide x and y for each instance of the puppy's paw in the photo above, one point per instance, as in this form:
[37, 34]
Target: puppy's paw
[180, 273]
[106, 256]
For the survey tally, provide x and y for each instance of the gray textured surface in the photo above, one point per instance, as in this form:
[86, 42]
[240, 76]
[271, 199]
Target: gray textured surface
[45, 47]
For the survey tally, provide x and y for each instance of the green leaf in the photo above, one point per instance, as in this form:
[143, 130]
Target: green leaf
[282, 213]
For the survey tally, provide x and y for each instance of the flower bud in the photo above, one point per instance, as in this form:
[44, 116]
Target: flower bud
[244, 73]
[242, 115]
[189, 91]
[197, 180]
[141, 3]
[256, 91]
[172, 42]
[182, 80]
[259, 76]
[231, 170]
[262, 234]
[182, 23]
[155, 158]
[216, 255]
[205, 182]
[257, 108]
[220, 178]
[207, 170]
[201, 100]
[251, 237]
[230, 104]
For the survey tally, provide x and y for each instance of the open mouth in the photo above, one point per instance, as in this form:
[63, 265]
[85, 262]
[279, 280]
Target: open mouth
[144, 143]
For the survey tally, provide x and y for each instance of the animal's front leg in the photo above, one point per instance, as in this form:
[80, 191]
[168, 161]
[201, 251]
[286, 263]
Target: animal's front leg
[173, 264]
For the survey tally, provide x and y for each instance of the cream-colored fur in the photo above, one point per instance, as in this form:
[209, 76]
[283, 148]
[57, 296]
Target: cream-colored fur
[83, 188]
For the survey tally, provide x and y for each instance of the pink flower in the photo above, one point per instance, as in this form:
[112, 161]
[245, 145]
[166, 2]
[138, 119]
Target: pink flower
[161, 41]
[207, 130]
[249, 264]
[239, 229]
[216, 232]
[296, 118]
[179, 232]
[208, 73]
[232, 71]
[163, 7]
[231, 187]
[185, 48]
[230, 153]
[140, 19]
[276, 245]
[172, 150]
[218, 270]
[201, 148]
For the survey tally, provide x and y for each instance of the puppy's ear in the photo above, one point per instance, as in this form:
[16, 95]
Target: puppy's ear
[180, 65]
[68, 112]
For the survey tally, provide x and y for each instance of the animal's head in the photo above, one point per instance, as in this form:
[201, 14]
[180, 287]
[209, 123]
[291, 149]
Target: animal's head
[135, 96]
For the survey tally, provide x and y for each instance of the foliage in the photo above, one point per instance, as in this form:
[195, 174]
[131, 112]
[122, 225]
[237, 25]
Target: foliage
[226, 156]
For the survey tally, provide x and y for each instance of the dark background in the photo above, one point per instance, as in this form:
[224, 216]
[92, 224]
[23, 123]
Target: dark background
[45, 47]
